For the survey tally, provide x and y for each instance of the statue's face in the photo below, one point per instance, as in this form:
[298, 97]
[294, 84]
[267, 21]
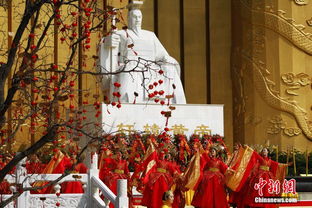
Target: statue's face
[135, 18]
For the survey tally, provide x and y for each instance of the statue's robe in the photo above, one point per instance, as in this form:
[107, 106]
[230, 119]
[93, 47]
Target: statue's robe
[143, 48]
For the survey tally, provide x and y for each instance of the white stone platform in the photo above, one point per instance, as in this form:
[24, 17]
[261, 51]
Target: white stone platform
[147, 118]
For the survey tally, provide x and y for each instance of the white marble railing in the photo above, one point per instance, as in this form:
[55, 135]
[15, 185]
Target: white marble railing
[91, 184]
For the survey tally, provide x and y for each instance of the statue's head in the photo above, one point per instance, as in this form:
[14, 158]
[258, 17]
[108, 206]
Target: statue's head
[134, 18]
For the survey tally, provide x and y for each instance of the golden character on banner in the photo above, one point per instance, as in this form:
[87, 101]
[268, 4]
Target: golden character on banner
[179, 129]
[202, 130]
[122, 128]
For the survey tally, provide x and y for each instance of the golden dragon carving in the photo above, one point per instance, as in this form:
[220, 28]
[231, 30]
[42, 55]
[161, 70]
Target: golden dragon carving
[265, 88]
[277, 22]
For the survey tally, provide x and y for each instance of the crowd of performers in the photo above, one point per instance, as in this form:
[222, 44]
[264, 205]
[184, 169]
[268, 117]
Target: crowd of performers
[171, 171]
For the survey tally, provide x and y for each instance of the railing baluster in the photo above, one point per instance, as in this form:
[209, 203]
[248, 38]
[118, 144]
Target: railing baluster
[91, 184]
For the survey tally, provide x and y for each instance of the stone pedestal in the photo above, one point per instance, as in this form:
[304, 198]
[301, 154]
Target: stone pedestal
[147, 118]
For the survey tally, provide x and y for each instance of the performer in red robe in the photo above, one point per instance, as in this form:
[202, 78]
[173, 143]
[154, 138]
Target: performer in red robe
[158, 182]
[33, 165]
[118, 170]
[105, 162]
[57, 165]
[265, 169]
[234, 196]
[75, 186]
[211, 191]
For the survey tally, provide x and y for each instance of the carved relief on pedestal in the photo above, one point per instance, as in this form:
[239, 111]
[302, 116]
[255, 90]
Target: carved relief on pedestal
[278, 125]
[66, 200]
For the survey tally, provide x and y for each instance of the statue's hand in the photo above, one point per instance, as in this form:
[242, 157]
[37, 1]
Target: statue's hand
[112, 40]
[167, 60]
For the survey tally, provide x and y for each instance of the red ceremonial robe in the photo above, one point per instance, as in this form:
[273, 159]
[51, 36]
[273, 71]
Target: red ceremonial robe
[265, 169]
[211, 191]
[75, 186]
[158, 182]
[118, 170]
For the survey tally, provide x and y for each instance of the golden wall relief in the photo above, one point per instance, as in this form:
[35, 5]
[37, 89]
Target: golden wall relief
[266, 89]
[277, 125]
[301, 2]
[252, 119]
[309, 22]
[239, 98]
[277, 22]
[295, 81]
[4, 4]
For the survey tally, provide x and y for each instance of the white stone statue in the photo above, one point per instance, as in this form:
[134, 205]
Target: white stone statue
[138, 50]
